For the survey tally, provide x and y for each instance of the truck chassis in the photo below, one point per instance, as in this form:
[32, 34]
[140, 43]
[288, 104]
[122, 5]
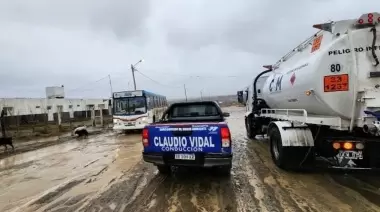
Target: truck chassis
[297, 139]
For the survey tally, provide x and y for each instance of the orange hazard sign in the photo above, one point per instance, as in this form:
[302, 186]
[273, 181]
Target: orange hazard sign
[335, 83]
[316, 43]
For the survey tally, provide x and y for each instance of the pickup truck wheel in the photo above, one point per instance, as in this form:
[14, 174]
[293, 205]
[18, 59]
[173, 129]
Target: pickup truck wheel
[225, 170]
[163, 169]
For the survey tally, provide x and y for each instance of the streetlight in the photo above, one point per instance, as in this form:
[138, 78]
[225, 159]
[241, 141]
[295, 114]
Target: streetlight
[202, 94]
[133, 69]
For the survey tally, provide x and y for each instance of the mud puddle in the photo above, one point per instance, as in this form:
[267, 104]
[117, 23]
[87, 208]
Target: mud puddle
[40, 177]
[108, 174]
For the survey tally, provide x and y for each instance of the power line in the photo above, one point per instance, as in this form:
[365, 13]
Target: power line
[89, 83]
[166, 73]
[196, 76]
[154, 80]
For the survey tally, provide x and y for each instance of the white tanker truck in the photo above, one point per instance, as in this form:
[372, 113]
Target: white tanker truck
[322, 99]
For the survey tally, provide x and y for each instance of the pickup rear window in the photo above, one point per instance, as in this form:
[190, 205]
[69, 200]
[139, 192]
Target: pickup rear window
[194, 110]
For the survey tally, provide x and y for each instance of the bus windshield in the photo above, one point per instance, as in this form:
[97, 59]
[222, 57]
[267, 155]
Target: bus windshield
[130, 106]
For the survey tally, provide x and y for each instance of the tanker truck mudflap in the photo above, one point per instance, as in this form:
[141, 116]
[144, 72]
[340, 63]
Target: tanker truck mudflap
[192, 144]
[291, 145]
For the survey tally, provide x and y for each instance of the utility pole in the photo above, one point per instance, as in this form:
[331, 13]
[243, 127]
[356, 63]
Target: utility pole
[184, 87]
[133, 75]
[110, 100]
[109, 79]
[201, 96]
[133, 69]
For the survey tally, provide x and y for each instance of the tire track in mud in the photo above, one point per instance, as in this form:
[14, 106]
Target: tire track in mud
[123, 190]
[304, 191]
[62, 200]
[312, 191]
[252, 193]
[21, 148]
[255, 184]
[203, 191]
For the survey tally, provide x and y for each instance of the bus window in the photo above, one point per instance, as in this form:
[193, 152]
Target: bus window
[149, 102]
[156, 102]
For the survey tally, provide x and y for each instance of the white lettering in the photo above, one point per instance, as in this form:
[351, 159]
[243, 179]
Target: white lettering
[184, 141]
[211, 143]
[193, 141]
[168, 142]
[156, 141]
[206, 144]
[180, 149]
[200, 142]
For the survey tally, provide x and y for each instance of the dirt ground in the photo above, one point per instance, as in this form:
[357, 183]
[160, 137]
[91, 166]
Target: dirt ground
[106, 173]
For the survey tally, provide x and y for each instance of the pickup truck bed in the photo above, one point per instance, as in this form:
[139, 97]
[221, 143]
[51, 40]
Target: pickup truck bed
[188, 141]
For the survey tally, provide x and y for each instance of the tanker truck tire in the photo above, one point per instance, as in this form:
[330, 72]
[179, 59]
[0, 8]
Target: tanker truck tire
[289, 158]
[248, 126]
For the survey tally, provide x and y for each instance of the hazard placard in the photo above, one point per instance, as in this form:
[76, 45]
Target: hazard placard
[316, 43]
[334, 83]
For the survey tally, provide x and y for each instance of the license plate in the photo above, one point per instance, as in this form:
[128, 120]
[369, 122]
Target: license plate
[184, 156]
[353, 155]
[129, 124]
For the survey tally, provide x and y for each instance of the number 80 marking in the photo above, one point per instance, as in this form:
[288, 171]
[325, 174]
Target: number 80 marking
[335, 67]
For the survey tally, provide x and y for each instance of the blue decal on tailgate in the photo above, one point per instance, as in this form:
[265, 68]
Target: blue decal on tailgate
[185, 138]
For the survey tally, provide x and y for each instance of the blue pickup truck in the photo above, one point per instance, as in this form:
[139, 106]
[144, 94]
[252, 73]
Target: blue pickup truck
[189, 134]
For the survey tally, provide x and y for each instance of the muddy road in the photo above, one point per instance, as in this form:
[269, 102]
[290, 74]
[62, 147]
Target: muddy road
[106, 173]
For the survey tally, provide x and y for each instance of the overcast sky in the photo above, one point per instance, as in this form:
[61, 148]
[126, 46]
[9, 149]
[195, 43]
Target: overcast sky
[214, 45]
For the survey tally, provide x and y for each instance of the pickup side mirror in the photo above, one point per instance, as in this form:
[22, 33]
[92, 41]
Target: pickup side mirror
[226, 114]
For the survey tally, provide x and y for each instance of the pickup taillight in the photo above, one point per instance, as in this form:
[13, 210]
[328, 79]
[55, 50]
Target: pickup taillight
[145, 136]
[226, 136]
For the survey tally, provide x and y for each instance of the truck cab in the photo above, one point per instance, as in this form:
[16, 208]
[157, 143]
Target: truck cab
[189, 134]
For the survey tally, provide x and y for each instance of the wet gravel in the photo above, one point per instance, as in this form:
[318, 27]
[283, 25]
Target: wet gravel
[106, 173]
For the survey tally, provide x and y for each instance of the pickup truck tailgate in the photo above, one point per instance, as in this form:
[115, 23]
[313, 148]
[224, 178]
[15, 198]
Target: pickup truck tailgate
[187, 137]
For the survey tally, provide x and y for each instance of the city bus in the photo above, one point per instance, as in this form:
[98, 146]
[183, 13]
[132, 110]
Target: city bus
[133, 110]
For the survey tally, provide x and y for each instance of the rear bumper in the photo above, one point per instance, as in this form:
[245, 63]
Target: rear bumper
[123, 127]
[202, 160]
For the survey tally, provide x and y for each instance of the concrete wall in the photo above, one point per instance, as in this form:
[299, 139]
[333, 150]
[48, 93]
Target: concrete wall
[46, 110]
[41, 106]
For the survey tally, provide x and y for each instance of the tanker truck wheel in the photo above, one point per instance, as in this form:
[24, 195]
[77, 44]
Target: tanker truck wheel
[248, 127]
[289, 158]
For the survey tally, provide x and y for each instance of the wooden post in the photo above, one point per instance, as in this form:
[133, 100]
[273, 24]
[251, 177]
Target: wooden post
[101, 107]
[3, 123]
[59, 115]
[101, 116]
[93, 116]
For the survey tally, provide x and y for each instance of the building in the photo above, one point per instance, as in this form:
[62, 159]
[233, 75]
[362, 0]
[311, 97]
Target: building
[47, 109]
